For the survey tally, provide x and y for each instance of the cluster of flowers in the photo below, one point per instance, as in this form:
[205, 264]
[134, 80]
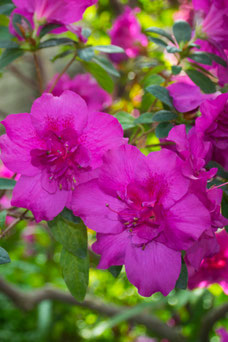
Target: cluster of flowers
[146, 210]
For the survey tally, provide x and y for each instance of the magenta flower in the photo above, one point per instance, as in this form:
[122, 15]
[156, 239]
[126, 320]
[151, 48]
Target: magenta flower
[85, 86]
[144, 216]
[193, 151]
[55, 148]
[186, 95]
[213, 269]
[223, 334]
[212, 126]
[126, 33]
[63, 12]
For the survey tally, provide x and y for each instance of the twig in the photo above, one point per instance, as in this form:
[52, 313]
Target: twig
[13, 224]
[61, 74]
[38, 72]
[28, 300]
[210, 319]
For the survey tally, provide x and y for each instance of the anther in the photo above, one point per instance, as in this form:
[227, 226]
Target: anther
[143, 247]
[60, 186]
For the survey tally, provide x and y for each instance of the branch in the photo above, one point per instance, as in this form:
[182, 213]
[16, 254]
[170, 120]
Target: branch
[210, 319]
[27, 301]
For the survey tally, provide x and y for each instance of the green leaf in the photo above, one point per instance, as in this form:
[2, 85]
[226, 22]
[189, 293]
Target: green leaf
[86, 32]
[144, 118]
[5, 34]
[106, 65]
[3, 215]
[162, 130]
[182, 31]
[217, 59]
[55, 42]
[204, 82]
[18, 20]
[102, 77]
[62, 54]
[73, 236]
[6, 9]
[176, 69]
[86, 54]
[108, 48]
[7, 184]
[164, 116]
[161, 32]
[48, 28]
[125, 119]
[75, 272]
[182, 281]
[172, 49]
[161, 94]
[115, 270]
[9, 55]
[68, 215]
[158, 41]
[201, 57]
[4, 256]
[8, 44]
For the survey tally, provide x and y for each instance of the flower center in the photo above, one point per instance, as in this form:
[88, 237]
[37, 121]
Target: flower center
[62, 159]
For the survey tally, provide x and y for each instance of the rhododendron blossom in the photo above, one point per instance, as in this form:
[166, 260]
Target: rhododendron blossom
[212, 126]
[54, 149]
[223, 333]
[126, 33]
[85, 86]
[144, 217]
[212, 269]
[63, 12]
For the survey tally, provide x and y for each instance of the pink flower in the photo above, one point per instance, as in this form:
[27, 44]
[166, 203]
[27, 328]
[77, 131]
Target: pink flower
[223, 334]
[54, 149]
[63, 12]
[144, 339]
[85, 86]
[213, 269]
[185, 12]
[213, 127]
[143, 214]
[186, 95]
[126, 33]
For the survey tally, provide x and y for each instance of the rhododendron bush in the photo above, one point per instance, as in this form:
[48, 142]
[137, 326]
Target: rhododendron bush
[114, 157]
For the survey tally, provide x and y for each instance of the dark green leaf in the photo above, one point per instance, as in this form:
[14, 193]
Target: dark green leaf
[182, 31]
[106, 65]
[172, 49]
[5, 34]
[48, 28]
[68, 215]
[115, 270]
[161, 32]
[125, 119]
[55, 42]
[62, 54]
[144, 118]
[86, 32]
[7, 184]
[18, 21]
[164, 115]
[102, 77]
[109, 48]
[217, 59]
[8, 44]
[225, 207]
[6, 9]
[221, 172]
[158, 41]
[162, 130]
[9, 55]
[161, 94]
[75, 273]
[201, 57]
[182, 281]
[73, 236]
[204, 82]
[4, 256]
[176, 69]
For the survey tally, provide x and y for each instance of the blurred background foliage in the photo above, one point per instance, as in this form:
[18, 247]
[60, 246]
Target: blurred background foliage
[35, 255]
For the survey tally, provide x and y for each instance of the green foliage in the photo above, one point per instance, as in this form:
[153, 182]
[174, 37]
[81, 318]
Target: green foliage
[100, 74]
[182, 31]
[204, 82]
[161, 94]
[4, 256]
[9, 55]
[7, 184]
[125, 119]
